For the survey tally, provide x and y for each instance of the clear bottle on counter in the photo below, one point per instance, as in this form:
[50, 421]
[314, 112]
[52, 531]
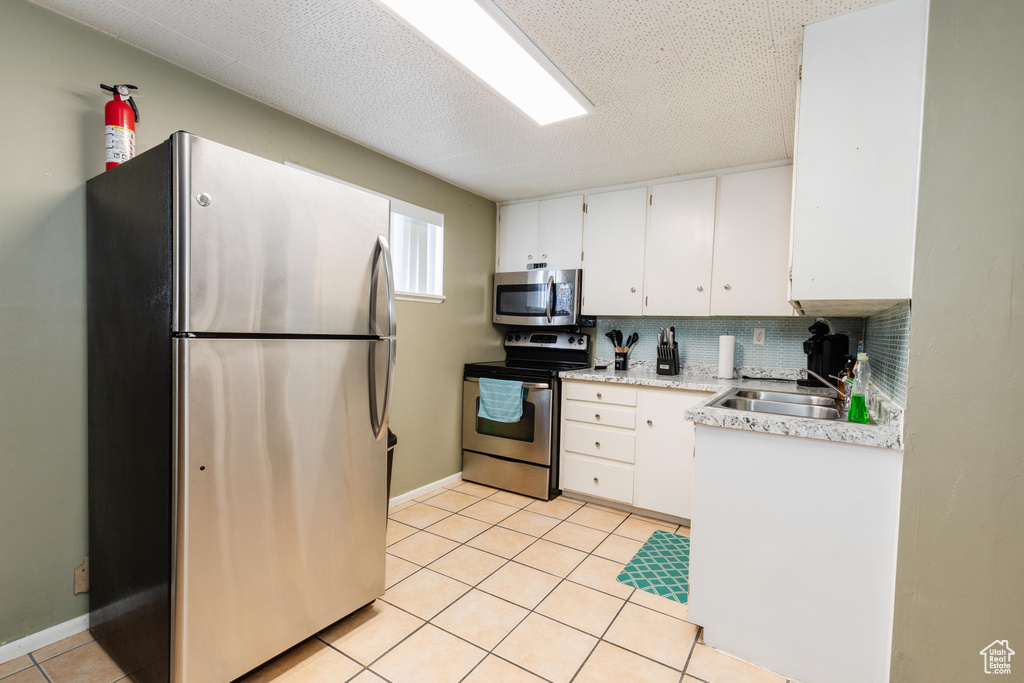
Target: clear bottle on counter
[859, 411]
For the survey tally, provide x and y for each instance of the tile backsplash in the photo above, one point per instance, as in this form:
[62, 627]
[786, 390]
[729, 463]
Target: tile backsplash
[888, 346]
[698, 338]
[886, 337]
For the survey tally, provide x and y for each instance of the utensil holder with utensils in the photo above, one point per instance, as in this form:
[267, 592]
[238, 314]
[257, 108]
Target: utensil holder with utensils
[668, 359]
[622, 347]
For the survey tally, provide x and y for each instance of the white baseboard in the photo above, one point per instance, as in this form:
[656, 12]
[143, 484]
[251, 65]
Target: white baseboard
[416, 493]
[48, 636]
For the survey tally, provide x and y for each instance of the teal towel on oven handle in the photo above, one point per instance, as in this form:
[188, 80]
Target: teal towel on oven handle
[501, 400]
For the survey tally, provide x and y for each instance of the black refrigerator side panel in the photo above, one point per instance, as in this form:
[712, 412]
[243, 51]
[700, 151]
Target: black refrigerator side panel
[128, 246]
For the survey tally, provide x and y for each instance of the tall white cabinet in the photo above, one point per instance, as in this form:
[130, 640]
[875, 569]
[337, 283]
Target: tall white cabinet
[752, 243]
[857, 158]
[548, 232]
[613, 247]
[679, 247]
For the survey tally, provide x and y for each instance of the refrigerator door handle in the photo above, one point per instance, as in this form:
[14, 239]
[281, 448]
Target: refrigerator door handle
[380, 422]
[386, 418]
[381, 249]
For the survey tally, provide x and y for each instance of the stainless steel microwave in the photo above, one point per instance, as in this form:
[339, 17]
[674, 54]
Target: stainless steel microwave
[537, 297]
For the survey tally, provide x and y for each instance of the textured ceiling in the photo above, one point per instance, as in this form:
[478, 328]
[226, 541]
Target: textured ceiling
[679, 86]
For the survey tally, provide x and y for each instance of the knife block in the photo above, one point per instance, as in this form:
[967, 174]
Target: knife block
[669, 365]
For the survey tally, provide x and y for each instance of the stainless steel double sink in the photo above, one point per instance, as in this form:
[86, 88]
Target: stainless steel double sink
[780, 403]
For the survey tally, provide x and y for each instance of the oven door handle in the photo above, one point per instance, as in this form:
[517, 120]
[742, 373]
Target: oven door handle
[526, 385]
[551, 289]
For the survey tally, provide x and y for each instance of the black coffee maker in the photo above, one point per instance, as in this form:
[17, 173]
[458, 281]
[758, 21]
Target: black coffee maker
[826, 352]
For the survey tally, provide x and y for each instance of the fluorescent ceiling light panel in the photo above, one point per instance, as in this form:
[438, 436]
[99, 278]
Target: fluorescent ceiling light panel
[481, 38]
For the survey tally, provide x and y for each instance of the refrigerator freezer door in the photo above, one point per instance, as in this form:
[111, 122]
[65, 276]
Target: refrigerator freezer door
[263, 248]
[281, 505]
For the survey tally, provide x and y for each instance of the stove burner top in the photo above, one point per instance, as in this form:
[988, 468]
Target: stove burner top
[534, 355]
[511, 369]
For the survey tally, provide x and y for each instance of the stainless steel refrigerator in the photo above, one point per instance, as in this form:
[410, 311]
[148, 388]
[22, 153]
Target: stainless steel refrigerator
[241, 345]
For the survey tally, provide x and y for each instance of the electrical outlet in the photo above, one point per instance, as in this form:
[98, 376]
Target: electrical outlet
[758, 336]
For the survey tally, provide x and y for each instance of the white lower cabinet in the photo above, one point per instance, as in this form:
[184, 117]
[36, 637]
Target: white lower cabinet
[663, 464]
[597, 477]
[639, 452]
[795, 553]
[600, 442]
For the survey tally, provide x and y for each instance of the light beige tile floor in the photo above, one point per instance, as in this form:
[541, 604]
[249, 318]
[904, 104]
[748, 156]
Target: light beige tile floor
[476, 595]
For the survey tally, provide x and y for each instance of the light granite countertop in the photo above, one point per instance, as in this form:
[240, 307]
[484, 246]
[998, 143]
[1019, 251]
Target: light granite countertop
[886, 431]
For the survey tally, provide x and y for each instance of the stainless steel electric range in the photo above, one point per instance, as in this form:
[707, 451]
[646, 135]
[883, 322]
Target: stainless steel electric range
[521, 456]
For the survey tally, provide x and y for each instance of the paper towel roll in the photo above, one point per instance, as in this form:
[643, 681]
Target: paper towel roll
[726, 349]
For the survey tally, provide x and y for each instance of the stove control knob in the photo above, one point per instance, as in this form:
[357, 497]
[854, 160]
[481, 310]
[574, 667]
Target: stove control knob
[582, 339]
[518, 337]
[508, 338]
[572, 340]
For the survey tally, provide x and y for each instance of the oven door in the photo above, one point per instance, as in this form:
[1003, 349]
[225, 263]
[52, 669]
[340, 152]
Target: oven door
[537, 297]
[528, 440]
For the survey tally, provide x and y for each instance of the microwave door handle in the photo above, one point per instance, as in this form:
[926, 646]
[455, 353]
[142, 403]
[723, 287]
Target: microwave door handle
[551, 295]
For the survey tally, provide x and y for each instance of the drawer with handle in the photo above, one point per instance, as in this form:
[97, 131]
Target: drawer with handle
[598, 478]
[613, 444]
[595, 413]
[599, 392]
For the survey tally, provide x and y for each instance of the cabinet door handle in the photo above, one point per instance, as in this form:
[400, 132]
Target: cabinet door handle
[728, 287]
[599, 395]
[650, 423]
[597, 444]
[595, 480]
[543, 255]
[699, 288]
[632, 290]
[529, 256]
[597, 416]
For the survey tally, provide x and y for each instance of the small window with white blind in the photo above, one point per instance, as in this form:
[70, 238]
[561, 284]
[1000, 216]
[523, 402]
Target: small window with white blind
[417, 250]
[417, 246]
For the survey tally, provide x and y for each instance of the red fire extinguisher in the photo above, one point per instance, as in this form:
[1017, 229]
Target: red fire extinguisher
[119, 121]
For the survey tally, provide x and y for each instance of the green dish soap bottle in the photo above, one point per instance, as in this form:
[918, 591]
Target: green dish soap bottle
[859, 400]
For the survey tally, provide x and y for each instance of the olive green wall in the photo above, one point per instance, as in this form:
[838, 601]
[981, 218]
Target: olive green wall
[51, 136]
[961, 546]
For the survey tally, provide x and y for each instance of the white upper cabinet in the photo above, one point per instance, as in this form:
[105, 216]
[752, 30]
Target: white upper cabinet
[560, 238]
[857, 154]
[680, 240]
[751, 263]
[707, 246]
[613, 246]
[548, 232]
[517, 236]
